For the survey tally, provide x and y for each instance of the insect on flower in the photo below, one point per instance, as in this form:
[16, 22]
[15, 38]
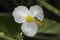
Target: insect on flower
[28, 17]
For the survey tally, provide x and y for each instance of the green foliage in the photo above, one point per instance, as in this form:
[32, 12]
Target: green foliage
[49, 7]
[8, 25]
[12, 29]
[50, 26]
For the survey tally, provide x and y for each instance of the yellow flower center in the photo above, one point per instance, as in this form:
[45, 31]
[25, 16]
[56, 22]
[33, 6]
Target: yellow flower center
[29, 18]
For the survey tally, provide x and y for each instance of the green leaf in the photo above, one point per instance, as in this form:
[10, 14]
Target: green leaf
[9, 26]
[50, 26]
[5, 38]
[3, 28]
[5, 14]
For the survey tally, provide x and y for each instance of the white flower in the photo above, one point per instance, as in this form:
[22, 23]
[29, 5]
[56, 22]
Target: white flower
[27, 16]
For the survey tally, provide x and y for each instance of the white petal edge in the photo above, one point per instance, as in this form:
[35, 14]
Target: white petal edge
[19, 14]
[35, 10]
[29, 29]
[40, 17]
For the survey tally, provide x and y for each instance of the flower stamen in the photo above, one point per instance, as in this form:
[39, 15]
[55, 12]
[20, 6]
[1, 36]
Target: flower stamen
[29, 18]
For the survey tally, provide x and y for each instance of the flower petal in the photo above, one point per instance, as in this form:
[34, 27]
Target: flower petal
[29, 29]
[40, 17]
[35, 10]
[19, 14]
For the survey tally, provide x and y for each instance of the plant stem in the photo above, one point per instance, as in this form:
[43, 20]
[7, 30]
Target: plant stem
[5, 14]
[49, 7]
[7, 38]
